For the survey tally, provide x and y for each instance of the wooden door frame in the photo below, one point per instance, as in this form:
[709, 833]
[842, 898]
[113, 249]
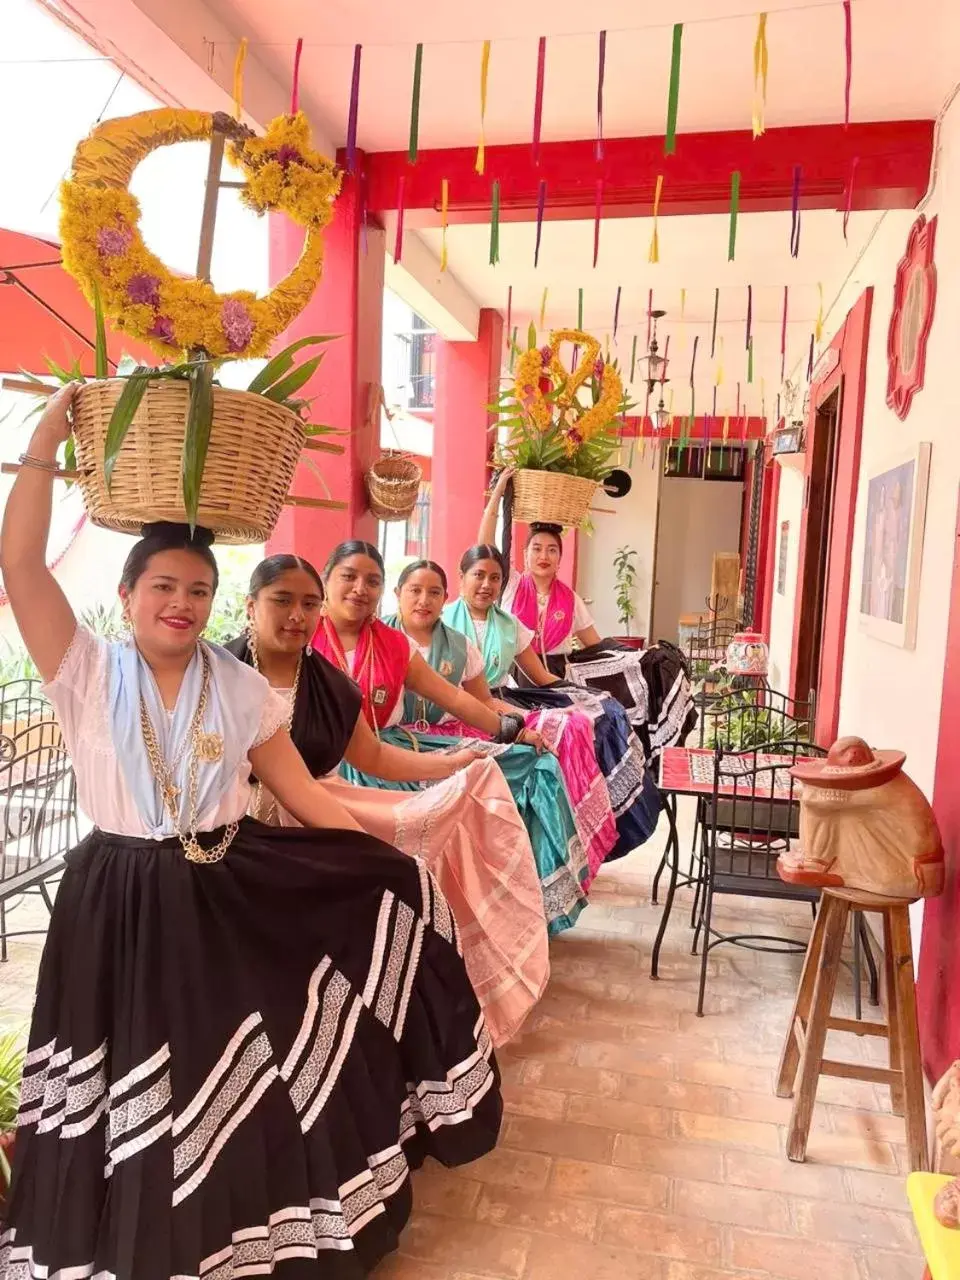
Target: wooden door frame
[850, 374]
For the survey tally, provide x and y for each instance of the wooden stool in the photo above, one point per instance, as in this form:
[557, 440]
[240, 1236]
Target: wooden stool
[812, 1020]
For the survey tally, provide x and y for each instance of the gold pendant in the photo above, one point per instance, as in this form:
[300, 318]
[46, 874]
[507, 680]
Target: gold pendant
[208, 747]
[379, 696]
[446, 668]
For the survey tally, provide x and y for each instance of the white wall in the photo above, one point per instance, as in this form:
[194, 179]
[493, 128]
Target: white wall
[634, 525]
[891, 696]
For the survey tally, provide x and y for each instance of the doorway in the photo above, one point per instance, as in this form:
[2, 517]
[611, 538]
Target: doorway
[821, 487]
[696, 518]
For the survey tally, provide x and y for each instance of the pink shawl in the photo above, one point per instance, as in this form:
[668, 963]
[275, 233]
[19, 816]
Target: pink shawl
[551, 628]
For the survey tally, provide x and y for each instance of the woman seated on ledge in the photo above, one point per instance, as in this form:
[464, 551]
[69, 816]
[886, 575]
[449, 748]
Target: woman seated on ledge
[237, 1052]
[466, 827]
[398, 685]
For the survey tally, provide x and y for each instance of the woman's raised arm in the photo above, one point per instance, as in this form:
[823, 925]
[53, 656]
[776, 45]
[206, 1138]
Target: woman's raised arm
[46, 621]
[487, 534]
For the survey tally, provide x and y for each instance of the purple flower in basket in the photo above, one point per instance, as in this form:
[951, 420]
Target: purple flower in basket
[163, 329]
[287, 155]
[114, 241]
[237, 324]
[144, 288]
[598, 367]
[574, 436]
[546, 355]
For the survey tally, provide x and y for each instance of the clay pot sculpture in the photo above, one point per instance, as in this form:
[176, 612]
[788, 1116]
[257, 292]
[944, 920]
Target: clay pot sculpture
[864, 825]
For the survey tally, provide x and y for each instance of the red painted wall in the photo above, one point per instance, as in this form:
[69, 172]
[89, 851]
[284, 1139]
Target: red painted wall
[851, 344]
[938, 995]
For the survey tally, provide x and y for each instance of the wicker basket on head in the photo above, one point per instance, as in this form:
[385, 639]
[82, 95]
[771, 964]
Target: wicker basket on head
[551, 497]
[393, 483]
[253, 452]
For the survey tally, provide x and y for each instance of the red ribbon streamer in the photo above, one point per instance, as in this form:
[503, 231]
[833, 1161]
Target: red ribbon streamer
[398, 242]
[848, 53]
[795, 213]
[783, 334]
[616, 312]
[538, 100]
[541, 203]
[848, 204]
[295, 91]
[354, 111]
[600, 74]
[598, 213]
[749, 314]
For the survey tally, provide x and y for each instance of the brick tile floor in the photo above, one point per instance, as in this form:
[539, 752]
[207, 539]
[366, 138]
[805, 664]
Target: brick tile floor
[641, 1141]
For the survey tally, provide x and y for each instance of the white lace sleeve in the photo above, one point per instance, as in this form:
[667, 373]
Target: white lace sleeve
[276, 709]
[78, 685]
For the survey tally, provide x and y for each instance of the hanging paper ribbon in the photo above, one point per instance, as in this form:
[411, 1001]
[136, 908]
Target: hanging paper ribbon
[783, 335]
[633, 359]
[601, 68]
[714, 400]
[848, 56]
[538, 99]
[580, 309]
[541, 204]
[810, 361]
[760, 67]
[531, 336]
[484, 72]
[495, 224]
[513, 347]
[616, 312]
[655, 238]
[778, 407]
[848, 202]
[734, 212]
[693, 370]
[713, 334]
[673, 98]
[354, 110]
[649, 316]
[295, 90]
[398, 242]
[795, 214]
[414, 147]
[444, 212]
[238, 79]
[543, 310]
[509, 308]
[750, 361]
[749, 335]
[598, 214]
[818, 331]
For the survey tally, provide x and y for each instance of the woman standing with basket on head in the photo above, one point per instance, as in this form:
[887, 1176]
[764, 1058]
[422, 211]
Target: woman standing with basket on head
[243, 1036]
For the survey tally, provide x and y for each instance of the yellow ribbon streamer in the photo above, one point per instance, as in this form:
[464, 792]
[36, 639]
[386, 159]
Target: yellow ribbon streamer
[444, 206]
[726, 428]
[719, 361]
[484, 71]
[543, 310]
[238, 78]
[655, 238]
[818, 329]
[761, 63]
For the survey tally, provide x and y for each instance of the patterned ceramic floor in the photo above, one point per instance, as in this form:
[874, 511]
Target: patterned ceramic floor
[644, 1142]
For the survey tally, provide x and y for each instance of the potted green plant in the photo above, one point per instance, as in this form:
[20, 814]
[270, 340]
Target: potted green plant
[625, 572]
[12, 1056]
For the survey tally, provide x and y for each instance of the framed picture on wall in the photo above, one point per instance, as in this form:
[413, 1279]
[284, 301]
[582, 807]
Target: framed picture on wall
[782, 558]
[893, 546]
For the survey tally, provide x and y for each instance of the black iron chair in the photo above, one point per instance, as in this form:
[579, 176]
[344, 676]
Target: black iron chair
[752, 818]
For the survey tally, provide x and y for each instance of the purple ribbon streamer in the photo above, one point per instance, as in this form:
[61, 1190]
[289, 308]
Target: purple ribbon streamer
[749, 314]
[848, 54]
[538, 100]
[810, 360]
[541, 203]
[795, 214]
[600, 74]
[616, 312]
[693, 361]
[354, 110]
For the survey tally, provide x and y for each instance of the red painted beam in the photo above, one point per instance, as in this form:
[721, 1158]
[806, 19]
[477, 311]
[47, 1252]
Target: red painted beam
[704, 426]
[892, 173]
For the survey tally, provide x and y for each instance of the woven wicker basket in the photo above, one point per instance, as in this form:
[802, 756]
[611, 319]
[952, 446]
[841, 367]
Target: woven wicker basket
[393, 483]
[552, 498]
[254, 447]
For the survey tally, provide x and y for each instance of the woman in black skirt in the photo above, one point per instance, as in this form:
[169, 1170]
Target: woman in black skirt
[244, 1036]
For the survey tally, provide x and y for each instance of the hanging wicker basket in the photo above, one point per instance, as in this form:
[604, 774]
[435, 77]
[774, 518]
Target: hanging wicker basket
[253, 452]
[393, 484]
[551, 497]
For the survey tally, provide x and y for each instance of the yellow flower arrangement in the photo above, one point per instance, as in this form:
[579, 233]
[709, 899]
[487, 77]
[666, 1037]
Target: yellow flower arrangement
[105, 251]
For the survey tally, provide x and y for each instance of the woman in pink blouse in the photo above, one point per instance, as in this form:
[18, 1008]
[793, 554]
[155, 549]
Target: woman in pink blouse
[244, 1036]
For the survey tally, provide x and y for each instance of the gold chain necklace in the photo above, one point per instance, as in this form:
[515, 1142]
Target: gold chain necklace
[202, 746]
[258, 794]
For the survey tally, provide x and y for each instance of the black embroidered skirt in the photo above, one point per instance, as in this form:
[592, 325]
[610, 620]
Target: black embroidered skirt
[232, 1068]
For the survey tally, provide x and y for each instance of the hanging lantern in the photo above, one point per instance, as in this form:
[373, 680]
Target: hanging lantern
[656, 364]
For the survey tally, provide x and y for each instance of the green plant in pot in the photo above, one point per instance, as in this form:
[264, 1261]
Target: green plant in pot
[13, 1054]
[625, 572]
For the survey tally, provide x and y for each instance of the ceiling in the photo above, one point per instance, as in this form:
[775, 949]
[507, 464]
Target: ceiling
[806, 63]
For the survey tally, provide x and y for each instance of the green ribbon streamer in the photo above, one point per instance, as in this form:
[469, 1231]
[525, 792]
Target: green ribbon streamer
[734, 212]
[750, 361]
[670, 140]
[513, 347]
[495, 225]
[580, 309]
[415, 107]
[633, 358]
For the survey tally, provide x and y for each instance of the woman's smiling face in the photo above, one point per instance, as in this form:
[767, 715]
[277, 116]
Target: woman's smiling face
[481, 585]
[421, 599]
[354, 587]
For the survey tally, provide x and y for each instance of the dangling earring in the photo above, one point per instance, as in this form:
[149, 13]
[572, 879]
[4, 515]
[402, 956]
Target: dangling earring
[252, 643]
